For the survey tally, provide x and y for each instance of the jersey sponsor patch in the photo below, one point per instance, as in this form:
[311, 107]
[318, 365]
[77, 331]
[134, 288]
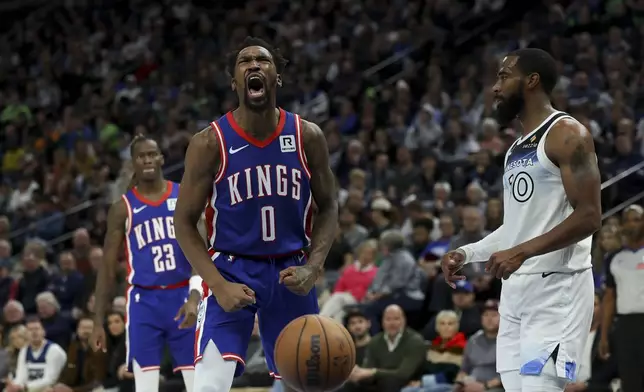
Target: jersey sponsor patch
[287, 143]
[172, 203]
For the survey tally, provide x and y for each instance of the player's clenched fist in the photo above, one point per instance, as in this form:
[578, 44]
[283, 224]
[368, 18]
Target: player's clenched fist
[97, 341]
[233, 296]
[451, 263]
[299, 280]
[503, 264]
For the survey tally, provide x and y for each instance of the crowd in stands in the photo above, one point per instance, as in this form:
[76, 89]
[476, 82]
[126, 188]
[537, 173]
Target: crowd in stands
[417, 153]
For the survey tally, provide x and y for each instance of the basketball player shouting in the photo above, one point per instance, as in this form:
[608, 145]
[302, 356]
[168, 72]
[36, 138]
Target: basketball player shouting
[159, 276]
[259, 169]
[542, 251]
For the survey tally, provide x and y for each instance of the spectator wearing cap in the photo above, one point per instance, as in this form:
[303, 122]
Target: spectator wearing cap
[478, 370]
[624, 297]
[444, 356]
[57, 325]
[380, 216]
[67, 284]
[595, 373]
[393, 356]
[463, 299]
[353, 283]
[358, 325]
[398, 281]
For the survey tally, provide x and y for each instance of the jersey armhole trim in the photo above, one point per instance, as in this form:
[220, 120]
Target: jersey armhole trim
[300, 146]
[222, 152]
[128, 223]
[541, 150]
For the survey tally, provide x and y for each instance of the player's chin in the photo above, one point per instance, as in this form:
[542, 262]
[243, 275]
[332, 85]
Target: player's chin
[256, 102]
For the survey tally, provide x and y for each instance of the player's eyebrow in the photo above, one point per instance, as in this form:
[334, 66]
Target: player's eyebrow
[247, 57]
[503, 72]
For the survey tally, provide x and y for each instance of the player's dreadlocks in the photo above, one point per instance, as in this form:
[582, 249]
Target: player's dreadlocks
[231, 58]
[137, 139]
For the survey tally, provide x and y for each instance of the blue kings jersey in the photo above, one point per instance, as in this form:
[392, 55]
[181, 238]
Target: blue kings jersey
[261, 203]
[154, 257]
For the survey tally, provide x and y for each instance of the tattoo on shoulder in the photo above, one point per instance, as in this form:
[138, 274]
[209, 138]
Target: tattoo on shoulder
[579, 158]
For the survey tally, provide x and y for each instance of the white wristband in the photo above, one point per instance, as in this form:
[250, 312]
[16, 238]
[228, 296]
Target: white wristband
[195, 284]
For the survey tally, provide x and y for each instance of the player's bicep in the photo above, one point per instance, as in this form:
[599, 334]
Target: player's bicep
[317, 155]
[201, 163]
[575, 155]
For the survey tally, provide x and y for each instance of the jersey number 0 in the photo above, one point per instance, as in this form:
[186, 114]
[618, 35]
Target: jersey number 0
[268, 223]
[163, 258]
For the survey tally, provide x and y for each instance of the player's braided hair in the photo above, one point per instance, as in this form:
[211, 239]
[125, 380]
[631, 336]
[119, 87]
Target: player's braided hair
[137, 139]
[231, 58]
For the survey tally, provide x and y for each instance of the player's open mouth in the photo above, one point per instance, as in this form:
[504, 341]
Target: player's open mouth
[255, 87]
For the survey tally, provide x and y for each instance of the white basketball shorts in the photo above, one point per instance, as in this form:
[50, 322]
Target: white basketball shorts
[540, 312]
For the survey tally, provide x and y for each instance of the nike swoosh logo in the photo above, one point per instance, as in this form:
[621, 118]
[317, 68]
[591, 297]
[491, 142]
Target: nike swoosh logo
[232, 150]
[545, 275]
[137, 210]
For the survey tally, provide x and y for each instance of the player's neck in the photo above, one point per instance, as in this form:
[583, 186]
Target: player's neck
[533, 114]
[151, 187]
[257, 124]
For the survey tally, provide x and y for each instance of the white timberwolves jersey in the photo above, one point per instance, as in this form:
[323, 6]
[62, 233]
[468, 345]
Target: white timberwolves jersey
[535, 202]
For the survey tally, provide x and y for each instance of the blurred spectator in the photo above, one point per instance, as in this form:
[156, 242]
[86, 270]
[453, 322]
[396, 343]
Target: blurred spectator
[393, 356]
[13, 314]
[479, 360]
[465, 306]
[444, 356]
[115, 355]
[67, 285]
[81, 250]
[39, 363]
[354, 282]
[380, 216]
[56, 324]
[17, 340]
[85, 368]
[8, 285]
[595, 373]
[398, 280]
[34, 280]
[353, 233]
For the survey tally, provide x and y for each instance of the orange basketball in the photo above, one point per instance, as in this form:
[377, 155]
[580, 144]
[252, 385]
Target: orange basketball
[314, 354]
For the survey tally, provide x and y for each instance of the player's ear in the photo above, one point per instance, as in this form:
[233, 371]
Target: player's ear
[533, 80]
[279, 80]
[233, 84]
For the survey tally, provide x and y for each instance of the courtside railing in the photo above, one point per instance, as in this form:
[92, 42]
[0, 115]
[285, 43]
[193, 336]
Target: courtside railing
[617, 178]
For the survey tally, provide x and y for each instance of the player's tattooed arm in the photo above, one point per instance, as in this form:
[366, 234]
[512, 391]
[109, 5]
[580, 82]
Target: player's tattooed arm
[112, 248]
[324, 193]
[571, 147]
[201, 164]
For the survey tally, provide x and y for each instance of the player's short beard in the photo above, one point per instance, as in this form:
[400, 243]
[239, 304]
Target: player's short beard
[509, 108]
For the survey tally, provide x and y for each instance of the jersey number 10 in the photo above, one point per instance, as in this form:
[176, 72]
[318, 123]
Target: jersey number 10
[163, 258]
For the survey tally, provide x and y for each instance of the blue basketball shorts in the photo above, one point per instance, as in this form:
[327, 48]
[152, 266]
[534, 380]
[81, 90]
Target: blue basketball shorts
[276, 306]
[150, 325]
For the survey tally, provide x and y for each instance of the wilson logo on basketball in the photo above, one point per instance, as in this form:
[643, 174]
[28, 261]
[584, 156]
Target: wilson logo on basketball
[313, 363]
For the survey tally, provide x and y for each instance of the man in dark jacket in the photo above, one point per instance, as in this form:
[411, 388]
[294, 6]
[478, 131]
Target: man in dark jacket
[85, 369]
